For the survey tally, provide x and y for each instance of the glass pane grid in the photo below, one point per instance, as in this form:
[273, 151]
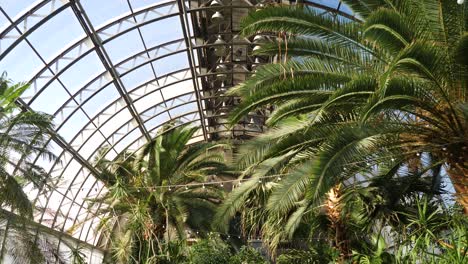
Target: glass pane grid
[100, 94]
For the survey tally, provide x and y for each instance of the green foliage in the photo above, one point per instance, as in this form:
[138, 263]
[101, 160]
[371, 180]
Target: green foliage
[376, 253]
[247, 255]
[318, 253]
[368, 116]
[9, 93]
[428, 234]
[77, 256]
[209, 251]
[154, 196]
[175, 251]
[23, 134]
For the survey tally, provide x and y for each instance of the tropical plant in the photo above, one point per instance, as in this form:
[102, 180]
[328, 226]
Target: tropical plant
[209, 251]
[432, 235]
[77, 256]
[21, 247]
[377, 85]
[247, 255]
[427, 233]
[178, 250]
[23, 134]
[155, 195]
[280, 210]
[376, 100]
[317, 253]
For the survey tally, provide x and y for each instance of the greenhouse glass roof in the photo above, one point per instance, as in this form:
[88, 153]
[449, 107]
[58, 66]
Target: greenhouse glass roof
[112, 72]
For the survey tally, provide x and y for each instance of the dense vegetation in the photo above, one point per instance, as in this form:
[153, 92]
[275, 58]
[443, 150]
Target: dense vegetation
[365, 160]
[153, 197]
[23, 135]
[369, 116]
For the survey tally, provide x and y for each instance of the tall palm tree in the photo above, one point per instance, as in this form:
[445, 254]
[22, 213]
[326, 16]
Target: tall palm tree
[350, 95]
[22, 134]
[356, 103]
[155, 195]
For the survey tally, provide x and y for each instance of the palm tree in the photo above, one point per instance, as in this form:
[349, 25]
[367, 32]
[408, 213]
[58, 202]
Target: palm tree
[22, 134]
[350, 95]
[356, 103]
[281, 209]
[155, 195]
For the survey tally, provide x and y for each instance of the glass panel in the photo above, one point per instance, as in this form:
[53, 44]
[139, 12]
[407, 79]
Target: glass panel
[58, 36]
[172, 63]
[51, 208]
[69, 223]
[88, 187]
[136, 145]
[73, 125]
[157, 120]
[183, 109]
[157, 11]
[129, 138]
[137, 77]
[4, 23]
[104, 10]
[138, 4]
[346, 9]
[91, 145]
[62, 212]
[115, 122]
[51, 99]
[16, 7]
[147, 101]
[82, 72]
[22, 71]
[68, 175]
[157, 33]
[124, 46]
[178, 89]
[144, 90]
[111, 109]
[101, 99]
[330, 3]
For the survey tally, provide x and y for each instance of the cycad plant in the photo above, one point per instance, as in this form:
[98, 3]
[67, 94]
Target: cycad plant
[155, 196]
[23, 134]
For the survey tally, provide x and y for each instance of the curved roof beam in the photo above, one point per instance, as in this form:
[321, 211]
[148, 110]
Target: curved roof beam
[63, 168]
[80, 176]
[105, 59]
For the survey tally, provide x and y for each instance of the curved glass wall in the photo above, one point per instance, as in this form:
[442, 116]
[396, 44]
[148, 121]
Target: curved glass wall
[111, 72]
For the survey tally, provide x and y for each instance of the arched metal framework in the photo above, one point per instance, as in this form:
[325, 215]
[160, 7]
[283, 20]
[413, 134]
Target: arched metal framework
[112, 72]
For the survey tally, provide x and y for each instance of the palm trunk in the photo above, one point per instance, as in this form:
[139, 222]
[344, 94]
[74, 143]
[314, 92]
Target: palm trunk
[459, 176]
[168, 235]
[336, 224]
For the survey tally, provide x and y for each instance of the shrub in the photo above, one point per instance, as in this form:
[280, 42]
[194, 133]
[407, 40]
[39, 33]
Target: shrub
[247, 255]
[177, 250]
[210, 251]
[319, 253]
